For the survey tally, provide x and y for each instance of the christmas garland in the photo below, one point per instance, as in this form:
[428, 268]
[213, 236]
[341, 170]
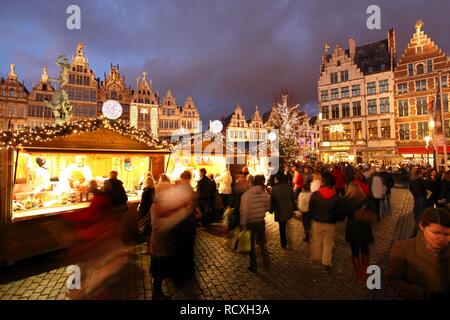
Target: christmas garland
[13, 139]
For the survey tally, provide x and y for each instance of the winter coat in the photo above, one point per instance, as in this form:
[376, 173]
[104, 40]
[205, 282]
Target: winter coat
[225, 181]
[349, 172]
[324, 205]
[163, 221]
[206, 189]
[254, 204]
[339, 178]
[356, 232]
[282, 202]
[445, 191]
[377, 186]
[303, 201]
[146, 201]
[418, 188]
[413, 272]
[362, 185]
[298, 180]
[115, 189]
[315, 185]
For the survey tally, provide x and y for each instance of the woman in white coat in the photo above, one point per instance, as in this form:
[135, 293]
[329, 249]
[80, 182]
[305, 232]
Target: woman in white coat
[225, 190]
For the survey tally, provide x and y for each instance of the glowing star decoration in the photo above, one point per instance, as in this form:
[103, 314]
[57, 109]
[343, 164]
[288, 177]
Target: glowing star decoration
[272, 136]
[216, 126]
[112, 109]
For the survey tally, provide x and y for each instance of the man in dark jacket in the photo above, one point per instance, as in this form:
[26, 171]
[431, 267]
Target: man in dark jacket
[114, 188]
[324, 211]
[418, 188]
[206, 190]
[282, 203]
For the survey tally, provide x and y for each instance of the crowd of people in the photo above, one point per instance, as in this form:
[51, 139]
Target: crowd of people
[321, 196]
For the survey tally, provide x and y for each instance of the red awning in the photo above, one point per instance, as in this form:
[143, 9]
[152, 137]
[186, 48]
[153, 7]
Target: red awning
[420, 150]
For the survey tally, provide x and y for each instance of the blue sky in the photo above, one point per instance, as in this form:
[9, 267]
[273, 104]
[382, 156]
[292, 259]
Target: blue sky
[219, 52]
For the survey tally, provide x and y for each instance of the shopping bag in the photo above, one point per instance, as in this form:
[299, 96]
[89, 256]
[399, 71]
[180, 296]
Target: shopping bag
[244, 242]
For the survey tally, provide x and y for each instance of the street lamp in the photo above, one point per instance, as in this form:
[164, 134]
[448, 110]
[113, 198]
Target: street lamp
[431, 124]
[427, 141]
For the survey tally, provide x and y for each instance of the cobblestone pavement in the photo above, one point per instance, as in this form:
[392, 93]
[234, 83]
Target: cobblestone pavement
[222, 273]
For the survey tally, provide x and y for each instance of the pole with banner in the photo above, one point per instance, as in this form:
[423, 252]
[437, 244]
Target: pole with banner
[444, 141]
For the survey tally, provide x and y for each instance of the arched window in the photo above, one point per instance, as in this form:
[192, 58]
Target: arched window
[12, 93]
[420, 69]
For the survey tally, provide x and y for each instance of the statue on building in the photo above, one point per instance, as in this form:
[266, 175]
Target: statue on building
[60, 104]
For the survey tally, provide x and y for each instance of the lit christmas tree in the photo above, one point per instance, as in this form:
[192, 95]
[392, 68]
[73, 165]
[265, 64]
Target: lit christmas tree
[291, 126]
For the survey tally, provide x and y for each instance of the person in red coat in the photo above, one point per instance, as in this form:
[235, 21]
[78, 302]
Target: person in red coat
[98, 248]
[339, 177]
[297, 181]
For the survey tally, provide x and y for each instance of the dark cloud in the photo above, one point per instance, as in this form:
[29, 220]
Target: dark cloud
[219, 52]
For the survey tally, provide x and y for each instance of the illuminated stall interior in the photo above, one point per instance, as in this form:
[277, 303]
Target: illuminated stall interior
[52, 180]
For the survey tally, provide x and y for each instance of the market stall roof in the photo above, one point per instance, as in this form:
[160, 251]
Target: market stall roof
[95, 135]
[211, 143]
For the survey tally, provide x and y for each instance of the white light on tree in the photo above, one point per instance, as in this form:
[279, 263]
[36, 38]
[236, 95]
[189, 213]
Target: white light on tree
[272, 136]
[112, 109]
[216, 126]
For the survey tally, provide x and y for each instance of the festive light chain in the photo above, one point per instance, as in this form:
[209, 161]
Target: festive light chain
[12, 139]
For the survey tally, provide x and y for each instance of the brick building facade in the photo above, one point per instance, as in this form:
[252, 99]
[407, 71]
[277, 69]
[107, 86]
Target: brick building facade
[418, 73]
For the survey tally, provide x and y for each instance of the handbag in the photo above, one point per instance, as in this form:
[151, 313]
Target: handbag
[244, 244]
[364, 215]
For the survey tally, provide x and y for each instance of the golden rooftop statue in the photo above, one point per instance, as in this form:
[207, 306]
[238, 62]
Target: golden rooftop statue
[44, 76]
[419, 25]
[11, 68]
[327, 47]
[80, 47]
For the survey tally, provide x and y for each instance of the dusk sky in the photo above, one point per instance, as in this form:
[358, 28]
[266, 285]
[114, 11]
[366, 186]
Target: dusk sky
[219, 52]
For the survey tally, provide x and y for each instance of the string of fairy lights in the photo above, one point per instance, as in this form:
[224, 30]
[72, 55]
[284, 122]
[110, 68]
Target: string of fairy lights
[13, 139]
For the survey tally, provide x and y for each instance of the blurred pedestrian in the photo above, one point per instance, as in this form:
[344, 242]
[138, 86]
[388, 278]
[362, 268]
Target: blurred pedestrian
[282, 204]
[324, 209]
[254, 204]
[206, 190]
[114, 188]
[225, 181]
[358, 232]
[172, 204]
[303, 207]
[297, 180]
[144, 219]
[339, 179]
[419, 268]
[184, 240]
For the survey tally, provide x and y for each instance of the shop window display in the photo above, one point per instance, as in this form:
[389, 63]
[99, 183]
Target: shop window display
[48, 183]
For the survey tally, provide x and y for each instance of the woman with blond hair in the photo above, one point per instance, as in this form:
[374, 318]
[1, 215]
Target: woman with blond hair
[358, 232]
[148, 193]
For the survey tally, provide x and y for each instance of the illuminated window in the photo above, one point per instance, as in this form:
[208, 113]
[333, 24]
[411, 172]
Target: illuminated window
[373, 129]
[403, 108]
[422, 129]
[421, 105]
[385, 129]
[404, 131]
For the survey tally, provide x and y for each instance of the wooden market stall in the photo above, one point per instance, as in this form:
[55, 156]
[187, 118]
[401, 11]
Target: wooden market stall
[214, 154]
[31, 210]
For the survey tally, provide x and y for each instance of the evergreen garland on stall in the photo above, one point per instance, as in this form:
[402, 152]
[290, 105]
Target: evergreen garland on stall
[13, 139]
